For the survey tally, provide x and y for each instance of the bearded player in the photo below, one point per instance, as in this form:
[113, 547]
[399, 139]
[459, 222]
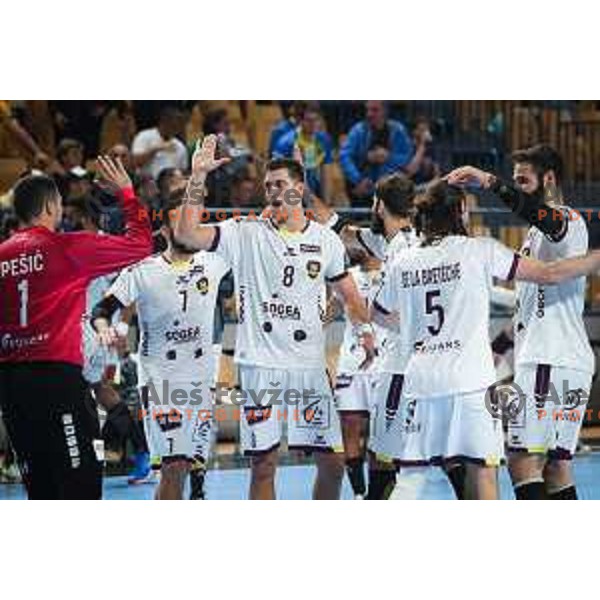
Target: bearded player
[554, 362]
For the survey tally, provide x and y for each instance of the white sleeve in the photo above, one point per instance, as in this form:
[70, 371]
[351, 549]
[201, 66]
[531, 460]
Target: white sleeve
[500, 261]
[335, 268]
[125, 288]
[573, 243]
[386, 297]
[140, 143]
[373, 243]
[227, 241]
[182, 158]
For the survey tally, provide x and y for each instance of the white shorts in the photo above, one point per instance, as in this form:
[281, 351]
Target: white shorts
[354, 393]
[177, 428]
[386, 394]
[432, 431]
[547, 410]
[302, 399]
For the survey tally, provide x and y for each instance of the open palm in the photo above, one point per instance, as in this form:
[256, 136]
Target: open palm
[204, 159]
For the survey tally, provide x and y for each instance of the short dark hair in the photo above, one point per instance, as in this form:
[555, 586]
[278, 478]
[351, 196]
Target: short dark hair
[397, 192]
[212, 119]
[169, 111]
[66, 145]
[543, 158]
[31, 196]
[439, 211]
[294, 168]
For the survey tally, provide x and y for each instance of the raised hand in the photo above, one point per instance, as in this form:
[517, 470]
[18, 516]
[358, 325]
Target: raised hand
[113, 172]
[204, 159]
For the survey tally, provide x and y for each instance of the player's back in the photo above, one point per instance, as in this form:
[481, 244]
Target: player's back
[39, 280]
[442, 292]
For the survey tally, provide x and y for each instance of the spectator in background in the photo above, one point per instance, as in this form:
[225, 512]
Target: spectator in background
[290, 110]
[374, 147]
[11, 131]
[158, 148]
[315, 147]
[244, 190]
[219, 183]
[70, 154]
[422, 168]
[121, 152]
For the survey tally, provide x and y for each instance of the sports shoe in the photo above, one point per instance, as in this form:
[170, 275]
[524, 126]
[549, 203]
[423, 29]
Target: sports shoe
[141, 472]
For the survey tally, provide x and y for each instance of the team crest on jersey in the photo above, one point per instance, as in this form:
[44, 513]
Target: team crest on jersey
[202, 285]
[185, 278]
[313, 268]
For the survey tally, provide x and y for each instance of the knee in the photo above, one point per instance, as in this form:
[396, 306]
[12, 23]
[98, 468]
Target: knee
[525, 466]
[557, 471]
[175, 471]
[331, 464]
[263, 466]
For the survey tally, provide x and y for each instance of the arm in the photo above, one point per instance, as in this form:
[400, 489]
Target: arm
[102, 315]
[187, 230]
[401, 149]
[348, 152]
[531, 207]
[97, 255]
[358, 313]
[416, 161]
[548, 273]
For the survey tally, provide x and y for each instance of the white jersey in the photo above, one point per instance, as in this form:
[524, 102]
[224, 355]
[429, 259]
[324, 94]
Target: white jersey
[352, 354]
[397, 348]
[96, 357]
[280, 287]
[549, 326]
[176, 308]
[442, 293]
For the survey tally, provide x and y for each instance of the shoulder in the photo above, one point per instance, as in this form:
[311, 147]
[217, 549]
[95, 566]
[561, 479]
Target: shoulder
[144, 136]
[358, 128]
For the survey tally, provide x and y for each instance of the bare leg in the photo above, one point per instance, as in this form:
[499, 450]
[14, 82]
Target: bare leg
[353, 432]
[330, 473]
[262, 482]
[558, 477]
[527, 474]
[172, 480]
[481, 483]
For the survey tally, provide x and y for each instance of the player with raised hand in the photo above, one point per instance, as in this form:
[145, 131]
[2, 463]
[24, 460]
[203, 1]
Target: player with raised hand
[175, 293]
[441, 289]
[553, 356]
[44, 275]
[281, 263]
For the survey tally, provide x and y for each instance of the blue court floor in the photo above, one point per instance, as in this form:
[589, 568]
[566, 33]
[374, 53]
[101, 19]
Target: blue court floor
[294, 483]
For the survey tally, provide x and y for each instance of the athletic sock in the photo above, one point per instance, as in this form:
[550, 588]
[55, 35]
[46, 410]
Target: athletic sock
[531, 490]
[355, 468]
[456, 475]
[197, 477]
[381, 484]
[567, 493]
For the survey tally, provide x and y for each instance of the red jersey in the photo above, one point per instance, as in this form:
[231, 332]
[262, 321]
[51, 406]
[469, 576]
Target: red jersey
[44, 276]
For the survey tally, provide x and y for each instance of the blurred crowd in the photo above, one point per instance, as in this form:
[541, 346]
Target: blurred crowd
[345, 147]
